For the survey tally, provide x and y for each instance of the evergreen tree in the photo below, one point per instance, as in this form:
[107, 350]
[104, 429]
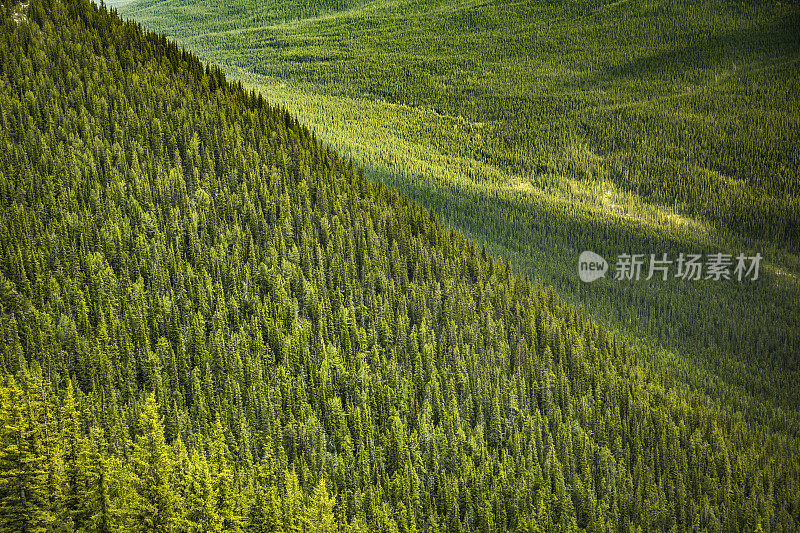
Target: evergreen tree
[23, 497]
[153, 507]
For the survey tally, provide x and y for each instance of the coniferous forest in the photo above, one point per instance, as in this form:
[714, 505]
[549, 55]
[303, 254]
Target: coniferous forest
[210, 321]
[542, 129]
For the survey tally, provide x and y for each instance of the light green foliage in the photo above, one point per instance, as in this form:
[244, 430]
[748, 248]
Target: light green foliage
[23, 462]
[154, 508]
[319, 516]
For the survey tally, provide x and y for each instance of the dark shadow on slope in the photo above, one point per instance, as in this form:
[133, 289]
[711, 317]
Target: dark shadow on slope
[775, 41]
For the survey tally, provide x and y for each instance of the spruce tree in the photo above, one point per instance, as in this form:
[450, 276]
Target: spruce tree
[23, 464]
[154, 505]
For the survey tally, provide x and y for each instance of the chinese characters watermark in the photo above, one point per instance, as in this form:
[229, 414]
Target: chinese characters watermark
[691, 267]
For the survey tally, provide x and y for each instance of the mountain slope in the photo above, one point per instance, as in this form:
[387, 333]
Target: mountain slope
[606, 75]
[210, 321]
[543, 130]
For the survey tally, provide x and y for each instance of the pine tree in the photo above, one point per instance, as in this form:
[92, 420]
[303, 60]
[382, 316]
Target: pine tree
[227, 504]
[23, 474]
[264, 515]
[293, 503]
[199, 508]
[319, 515]
[96, 500]
[75, 470]
[153, 509]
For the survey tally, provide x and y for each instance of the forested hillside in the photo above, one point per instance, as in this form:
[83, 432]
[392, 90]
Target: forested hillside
[543, 129]
[210, 321]
[654, 97]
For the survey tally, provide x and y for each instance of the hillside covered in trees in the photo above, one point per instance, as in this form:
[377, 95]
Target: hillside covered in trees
[209, 321]
[543, 129]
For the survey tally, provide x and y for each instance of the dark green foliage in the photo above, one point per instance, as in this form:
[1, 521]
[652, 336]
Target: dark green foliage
[214, 323]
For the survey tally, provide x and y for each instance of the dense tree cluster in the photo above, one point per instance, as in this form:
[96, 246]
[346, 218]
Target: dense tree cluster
[211, 322]
[544, 129]
[687, 105]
